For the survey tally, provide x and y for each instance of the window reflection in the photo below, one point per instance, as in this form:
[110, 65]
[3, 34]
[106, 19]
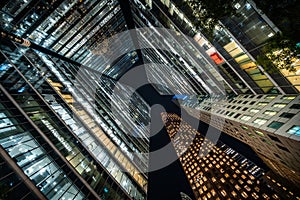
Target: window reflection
[34, 161]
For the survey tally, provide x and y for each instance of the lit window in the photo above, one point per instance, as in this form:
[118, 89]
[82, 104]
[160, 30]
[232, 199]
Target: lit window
[262, 104]
[259, 133]
[255, 195]
[270, 112]
[244, 194]
[248, 6]
[254, 110]
[260, 121]
[270, 97]
[223, 192]
[279, 105]
[213, 192]
[275, 125]
[234, 193]
[247, 188]
[245, 117]
[289, 97]
[294, 130]
[266, 141]
[270, 34]
[237, 5]
[209, 195]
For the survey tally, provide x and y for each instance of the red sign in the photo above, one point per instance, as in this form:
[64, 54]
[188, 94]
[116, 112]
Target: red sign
[216, 58]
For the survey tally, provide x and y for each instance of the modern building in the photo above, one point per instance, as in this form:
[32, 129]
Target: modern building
[54, 109]
[215, 171]
[267, 123]
[69, 129]
[236, 43]
[60, 122]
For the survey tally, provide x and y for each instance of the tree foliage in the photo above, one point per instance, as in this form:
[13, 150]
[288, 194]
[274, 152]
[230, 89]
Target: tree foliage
[278, 53]
[205, 14]
[284, 14]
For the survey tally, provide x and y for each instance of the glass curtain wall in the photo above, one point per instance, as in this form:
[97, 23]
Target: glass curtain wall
[34, 88]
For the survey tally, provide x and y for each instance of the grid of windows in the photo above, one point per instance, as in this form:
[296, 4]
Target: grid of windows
[214, 171]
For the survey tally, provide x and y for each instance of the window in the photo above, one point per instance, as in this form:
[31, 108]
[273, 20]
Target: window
[244, 127]
[295, 106]
[289, 97]
[287, 115]
[270, 97]
[266, 141]
[251, 135]
[275, 125]
[294, 130]
[282, 148]
[244, 109]
[237, 115]
[270, 112]
[277, 155]
[262, 104]
[231, 114]
[245, 117]
[259, 133]
[274, 138]
[254, 110]
[260, 121]
[279, 105]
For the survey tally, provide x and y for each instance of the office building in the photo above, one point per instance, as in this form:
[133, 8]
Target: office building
[36, 91]
[236, 43]
[215, 171]
[267, 123]
[234, 48]
[64, 132]
[60, 128]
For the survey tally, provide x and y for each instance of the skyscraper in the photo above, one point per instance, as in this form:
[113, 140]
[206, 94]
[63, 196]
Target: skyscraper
[216, 171]
[267, 123]
[72, 128]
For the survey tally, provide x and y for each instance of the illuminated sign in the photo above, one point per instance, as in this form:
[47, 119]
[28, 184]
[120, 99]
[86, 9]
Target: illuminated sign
[216, 58]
